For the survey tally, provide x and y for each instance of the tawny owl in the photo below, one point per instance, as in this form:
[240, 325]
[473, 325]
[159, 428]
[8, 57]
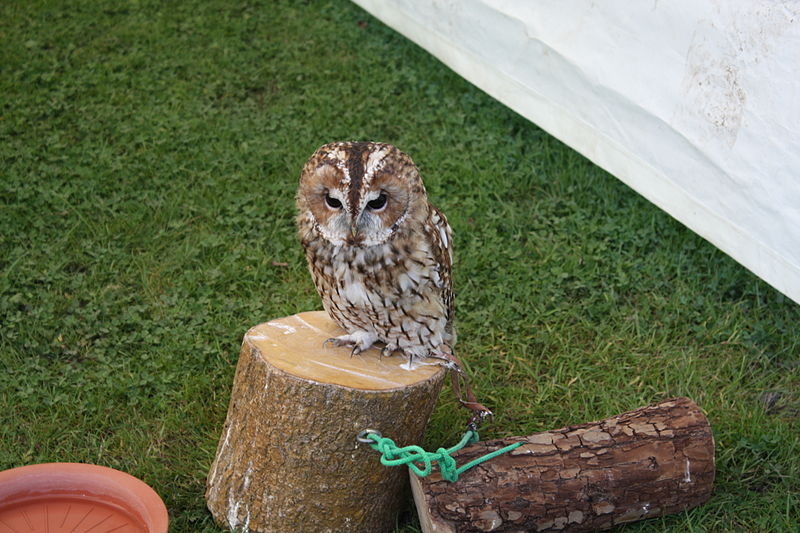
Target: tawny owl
[379, 252]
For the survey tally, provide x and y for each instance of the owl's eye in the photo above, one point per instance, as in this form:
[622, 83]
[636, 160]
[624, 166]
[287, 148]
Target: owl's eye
[378, 203]
[332, 202]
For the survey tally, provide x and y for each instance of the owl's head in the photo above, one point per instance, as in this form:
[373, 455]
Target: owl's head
[360, 193]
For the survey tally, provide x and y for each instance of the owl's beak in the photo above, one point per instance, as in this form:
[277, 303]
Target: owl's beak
[353, 229]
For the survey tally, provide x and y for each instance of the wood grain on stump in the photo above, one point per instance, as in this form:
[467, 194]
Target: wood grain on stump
[287, 459]
[653, 461]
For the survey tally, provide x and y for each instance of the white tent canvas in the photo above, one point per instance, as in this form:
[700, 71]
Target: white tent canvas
[695, 105]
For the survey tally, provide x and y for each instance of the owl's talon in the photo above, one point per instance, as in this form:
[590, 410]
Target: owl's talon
[388, 350]
[336, 342]
[358, 341]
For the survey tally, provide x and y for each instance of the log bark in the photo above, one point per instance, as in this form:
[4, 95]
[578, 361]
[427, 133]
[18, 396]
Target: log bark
[653, 461]
[287, 458]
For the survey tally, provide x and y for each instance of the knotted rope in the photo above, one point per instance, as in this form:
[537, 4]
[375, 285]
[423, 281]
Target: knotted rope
[414, 456]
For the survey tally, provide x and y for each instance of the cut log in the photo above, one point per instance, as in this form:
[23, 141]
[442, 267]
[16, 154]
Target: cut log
[287, 458]
[653, 461]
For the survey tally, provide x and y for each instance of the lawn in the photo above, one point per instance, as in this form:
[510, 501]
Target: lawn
[150, 154]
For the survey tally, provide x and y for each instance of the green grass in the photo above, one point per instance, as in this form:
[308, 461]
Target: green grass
[150, 154]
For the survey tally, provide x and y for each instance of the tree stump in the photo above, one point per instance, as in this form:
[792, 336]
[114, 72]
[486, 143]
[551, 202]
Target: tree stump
[653, 461]
[287, 458]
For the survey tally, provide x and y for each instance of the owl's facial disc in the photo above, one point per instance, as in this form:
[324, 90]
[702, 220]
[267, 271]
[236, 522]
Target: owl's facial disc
[361, 194]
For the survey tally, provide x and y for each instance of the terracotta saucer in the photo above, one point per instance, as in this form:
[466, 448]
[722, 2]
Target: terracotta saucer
[77, 498]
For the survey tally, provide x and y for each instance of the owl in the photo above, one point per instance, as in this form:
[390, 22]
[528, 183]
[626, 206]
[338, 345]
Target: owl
[379, 252]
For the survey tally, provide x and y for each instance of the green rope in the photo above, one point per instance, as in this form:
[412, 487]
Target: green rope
[392, 455]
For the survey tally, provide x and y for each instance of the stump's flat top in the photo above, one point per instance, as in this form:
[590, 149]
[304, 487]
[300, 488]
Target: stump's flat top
[294, 344]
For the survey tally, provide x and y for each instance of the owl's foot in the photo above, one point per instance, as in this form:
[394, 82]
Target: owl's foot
[388, 350]
[360, 341]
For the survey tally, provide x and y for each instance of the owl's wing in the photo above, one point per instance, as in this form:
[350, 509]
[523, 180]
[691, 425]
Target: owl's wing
[442, 249]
